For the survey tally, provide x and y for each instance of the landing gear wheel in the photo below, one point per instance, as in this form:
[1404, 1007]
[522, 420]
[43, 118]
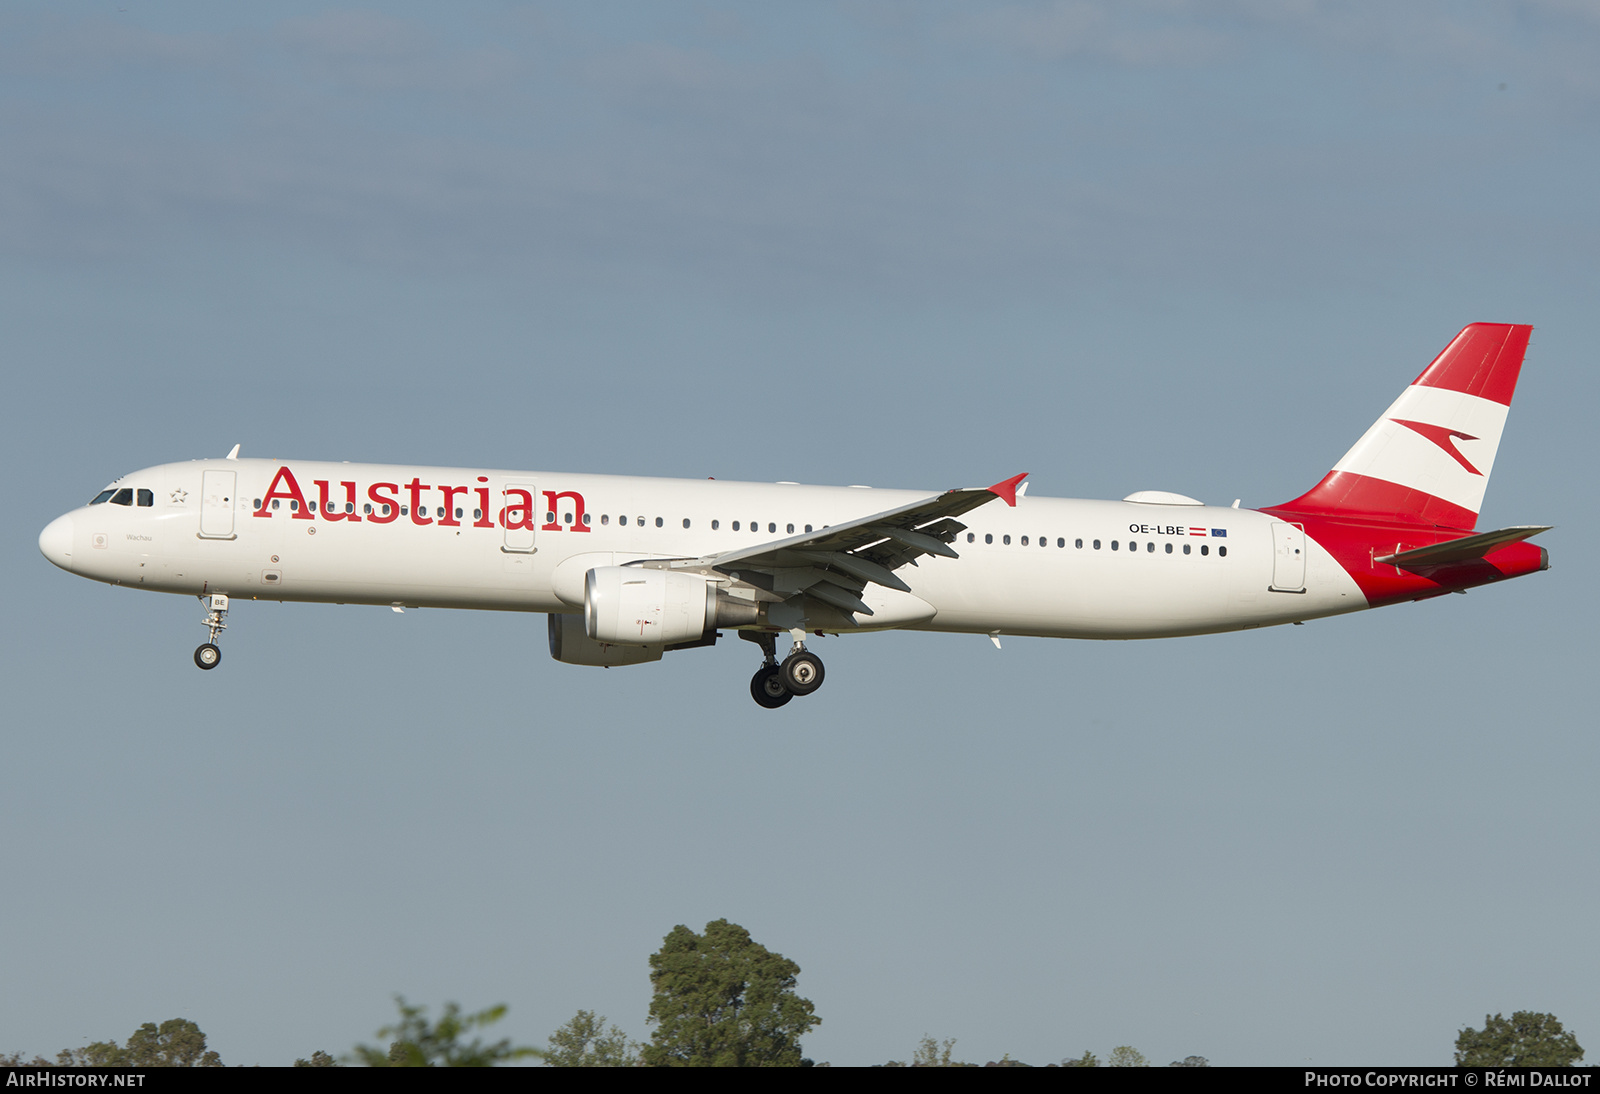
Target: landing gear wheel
[208, 656]
[766, 687]
[802, 672]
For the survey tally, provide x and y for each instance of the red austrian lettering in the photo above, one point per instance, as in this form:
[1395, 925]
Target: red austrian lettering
[329, 512]
[485, 519]
[553, 504]
[524, 507]
[449, 519]
[290, 492]
[418, 514]
[384, 508]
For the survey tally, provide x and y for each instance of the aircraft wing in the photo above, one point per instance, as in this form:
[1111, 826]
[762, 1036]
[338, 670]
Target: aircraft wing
[834, 564]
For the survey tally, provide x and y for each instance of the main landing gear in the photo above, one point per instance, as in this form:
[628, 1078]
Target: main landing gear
[207, 656]
[773, 685]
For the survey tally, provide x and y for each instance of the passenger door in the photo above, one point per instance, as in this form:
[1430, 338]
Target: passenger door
[217, 504]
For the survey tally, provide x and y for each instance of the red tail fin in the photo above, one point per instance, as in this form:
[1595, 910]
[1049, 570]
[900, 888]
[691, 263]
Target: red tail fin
[1427, 460]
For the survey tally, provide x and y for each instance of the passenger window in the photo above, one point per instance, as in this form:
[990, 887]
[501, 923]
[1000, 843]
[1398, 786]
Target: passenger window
[1204, 549]
[256, 503]
[122, 497]
[735, 526]
[686, 522]
[659, 522]
[274, 503]
[988, 538]
[587, 518]
[1185, 548]
[458, 514]
[1151, 547]
[971, 537]
[1169, 548]
[1113, 544]
[146, 498]
[294, 506]
[1024, 541]
[1006, 540]
[367, 508]
[808, 527]
[605, 518]
[1222, 552]
[622, 520]
[386, 509]
[771, 526]
[405, 510]
[1078, 543]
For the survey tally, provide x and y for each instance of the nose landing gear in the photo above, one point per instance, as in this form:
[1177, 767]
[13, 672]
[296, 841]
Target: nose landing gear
[207, 655]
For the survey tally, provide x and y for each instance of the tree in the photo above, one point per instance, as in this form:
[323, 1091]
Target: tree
[1088, 1059]
[724, 1000]
[417, 1043]
[177, 1042]
[931, 1053]
[1126, 1056]
[1526, 1040]
[1191, 1061]
[318, 1059]
[585, 1042]
[16, 1059]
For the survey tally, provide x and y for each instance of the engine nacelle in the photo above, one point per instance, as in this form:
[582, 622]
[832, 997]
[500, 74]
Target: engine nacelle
[635, 606]
[570, 645]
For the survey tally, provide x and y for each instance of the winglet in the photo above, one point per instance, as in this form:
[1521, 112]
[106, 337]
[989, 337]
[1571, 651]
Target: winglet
[1007, 491]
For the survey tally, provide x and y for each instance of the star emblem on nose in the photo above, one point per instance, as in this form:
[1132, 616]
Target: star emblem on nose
[178, 496]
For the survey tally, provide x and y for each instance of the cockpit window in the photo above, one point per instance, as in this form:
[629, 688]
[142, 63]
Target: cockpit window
[123, 496]
[146, 498]
[102, 497]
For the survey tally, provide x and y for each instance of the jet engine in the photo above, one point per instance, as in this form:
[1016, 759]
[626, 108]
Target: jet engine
[569, 645]
[635, 606]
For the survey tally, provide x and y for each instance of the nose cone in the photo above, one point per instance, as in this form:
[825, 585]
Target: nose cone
[55, 542]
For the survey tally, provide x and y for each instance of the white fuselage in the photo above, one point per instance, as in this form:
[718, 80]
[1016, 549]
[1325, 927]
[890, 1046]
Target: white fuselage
[1160, 569]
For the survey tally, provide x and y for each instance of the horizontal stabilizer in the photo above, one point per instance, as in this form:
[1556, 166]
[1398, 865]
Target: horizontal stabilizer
[1465, 549]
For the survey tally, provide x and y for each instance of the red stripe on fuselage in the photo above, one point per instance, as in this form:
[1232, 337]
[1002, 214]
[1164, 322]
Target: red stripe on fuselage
[1357, 544]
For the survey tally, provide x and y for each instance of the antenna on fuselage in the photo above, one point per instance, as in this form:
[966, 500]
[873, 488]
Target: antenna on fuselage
[234, 454]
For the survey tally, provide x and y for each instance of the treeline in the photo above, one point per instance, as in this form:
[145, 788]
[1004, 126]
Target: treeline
[720, 999]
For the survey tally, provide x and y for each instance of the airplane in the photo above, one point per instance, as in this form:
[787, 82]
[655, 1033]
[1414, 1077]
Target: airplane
[629, 569]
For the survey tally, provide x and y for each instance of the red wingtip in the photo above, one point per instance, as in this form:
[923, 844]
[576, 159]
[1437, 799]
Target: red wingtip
[1007, 491]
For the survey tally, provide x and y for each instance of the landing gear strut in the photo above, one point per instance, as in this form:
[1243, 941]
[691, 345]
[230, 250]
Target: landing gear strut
[208, 656]
[766, 686]
[773, 685]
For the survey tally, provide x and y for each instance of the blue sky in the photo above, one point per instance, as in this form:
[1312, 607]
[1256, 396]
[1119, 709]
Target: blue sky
[1162, 245]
